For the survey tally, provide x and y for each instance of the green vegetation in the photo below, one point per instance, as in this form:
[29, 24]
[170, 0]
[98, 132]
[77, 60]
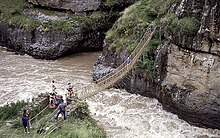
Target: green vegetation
[11, 110]
[126, 32]
[164, 6]
[129, 28]
[79, 125]
[82, 110]
[146, 62]
[12, 13]
[186, 25]
[79, 128]
[110, 3]
[114, 4]
[96, 21]
[70, 128]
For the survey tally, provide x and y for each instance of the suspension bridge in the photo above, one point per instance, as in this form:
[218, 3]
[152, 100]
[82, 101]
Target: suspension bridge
[111, 78]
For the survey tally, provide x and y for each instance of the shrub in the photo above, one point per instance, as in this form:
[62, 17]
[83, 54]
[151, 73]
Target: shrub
[146, 62]
[186, 25]
[11, 110]
[82, 110]
[12, 13]
[129, 28]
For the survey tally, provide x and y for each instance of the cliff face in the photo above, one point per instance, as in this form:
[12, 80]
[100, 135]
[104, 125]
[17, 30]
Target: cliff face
[191, 87]
[53, 33]
[47, 44]
[83, 5]
[186, 65]
[207, 37]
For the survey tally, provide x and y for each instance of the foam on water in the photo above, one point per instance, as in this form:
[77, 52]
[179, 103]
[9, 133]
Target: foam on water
[133, 116]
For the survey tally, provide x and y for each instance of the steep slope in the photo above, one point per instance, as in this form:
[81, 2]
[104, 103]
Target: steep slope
[181, 65]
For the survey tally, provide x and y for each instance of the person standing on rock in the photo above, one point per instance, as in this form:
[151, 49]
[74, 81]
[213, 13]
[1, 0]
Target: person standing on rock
[62, 109]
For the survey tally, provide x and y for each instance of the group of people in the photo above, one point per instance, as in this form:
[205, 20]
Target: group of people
[53, 103]
[69, 89]
[26, 120]
[53, 100]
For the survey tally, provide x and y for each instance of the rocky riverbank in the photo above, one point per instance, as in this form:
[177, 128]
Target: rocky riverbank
[180, 65]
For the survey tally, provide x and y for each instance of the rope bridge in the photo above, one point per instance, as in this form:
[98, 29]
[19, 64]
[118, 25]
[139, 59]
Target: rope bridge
[117, 74]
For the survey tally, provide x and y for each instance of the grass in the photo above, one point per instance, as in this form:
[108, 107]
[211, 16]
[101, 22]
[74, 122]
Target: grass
[147, 60]
[12, 13]
[129, 28]
[97, 21]
[109, 3]
[187, 25]
[70, 128]
[11, 110]
[126, 32]
[80, 125]
[79, 128]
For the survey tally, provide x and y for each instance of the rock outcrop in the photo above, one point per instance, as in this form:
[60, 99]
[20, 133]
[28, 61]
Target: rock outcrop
[207, 38]
[190, 87]
[51, 31]
[48, 44]
[186, 65]
[73, 5]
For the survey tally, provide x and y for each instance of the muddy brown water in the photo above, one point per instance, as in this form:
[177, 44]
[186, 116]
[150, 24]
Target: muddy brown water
[123, 115]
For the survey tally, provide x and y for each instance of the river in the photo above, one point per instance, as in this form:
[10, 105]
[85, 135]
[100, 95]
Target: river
[123, 115]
